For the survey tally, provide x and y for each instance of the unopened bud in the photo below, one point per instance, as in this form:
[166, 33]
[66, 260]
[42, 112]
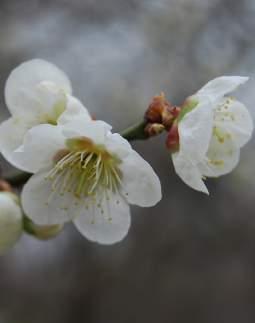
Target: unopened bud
[154, 129]
[11, 225]
[160, 111]
[169, 115]
[157, 107]
[172, 141]
[44, 232]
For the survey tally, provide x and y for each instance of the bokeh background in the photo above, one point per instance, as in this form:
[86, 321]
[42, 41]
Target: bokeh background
[192, 257]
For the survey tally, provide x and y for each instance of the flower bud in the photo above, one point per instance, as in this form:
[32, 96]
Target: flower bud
[156, 108]
[160, 111]
[11, 225]
[172, 141]
[154, 129]
[169, 115]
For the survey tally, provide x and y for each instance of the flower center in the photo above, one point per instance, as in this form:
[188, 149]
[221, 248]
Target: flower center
[85, 170]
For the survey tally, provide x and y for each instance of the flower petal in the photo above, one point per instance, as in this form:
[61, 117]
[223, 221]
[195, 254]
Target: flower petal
[106, 224]
[19, 89]
[74, 110]
[140, 184]
[11, 135]
[218, 87]
[234, 118]
[222, 156]
[188, 172]
[94, 130]
[45, 206]
[44, 105]
[195, 130]
[48, 102]
[117, 145]
[40, 145]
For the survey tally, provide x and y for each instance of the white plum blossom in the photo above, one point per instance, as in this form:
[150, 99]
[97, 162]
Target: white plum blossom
[36, 92]
[11, 225]
[86, 174]
[212, 128]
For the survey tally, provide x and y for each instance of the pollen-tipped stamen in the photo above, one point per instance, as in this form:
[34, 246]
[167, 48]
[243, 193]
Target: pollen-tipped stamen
[92, 174]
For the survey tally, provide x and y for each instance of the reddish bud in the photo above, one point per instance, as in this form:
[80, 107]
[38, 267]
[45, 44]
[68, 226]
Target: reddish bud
[169, 115]
[157, 108]
[172, 141]
[154, 129]
[160, 111]
[175, 111]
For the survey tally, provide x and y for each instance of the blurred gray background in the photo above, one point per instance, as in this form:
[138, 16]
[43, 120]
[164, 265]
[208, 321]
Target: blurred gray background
[192, 257]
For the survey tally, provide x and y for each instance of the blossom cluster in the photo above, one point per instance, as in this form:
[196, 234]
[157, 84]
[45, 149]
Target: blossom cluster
[85, 173]
[82, 171]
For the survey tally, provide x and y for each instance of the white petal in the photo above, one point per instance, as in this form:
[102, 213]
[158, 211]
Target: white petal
[95, 130]
[140, 184]
[222, 156]
[45, 207]
[19, 89]
[11, 135]
[40, 145]
[75, 110]
[44, 104]
[218, 87]
[115, 144]
[234, 118]
[195, 130]
[108, 227]
[188, 172]
[47, 101]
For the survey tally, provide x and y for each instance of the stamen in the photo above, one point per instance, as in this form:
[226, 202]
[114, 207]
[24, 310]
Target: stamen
[91, 176]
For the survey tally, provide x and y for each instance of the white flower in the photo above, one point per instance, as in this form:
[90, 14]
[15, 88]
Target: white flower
[36, 92]
[86, 174]
[11, 226]
[211, 132]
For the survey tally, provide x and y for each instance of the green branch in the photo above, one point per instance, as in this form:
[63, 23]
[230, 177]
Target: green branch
[135, 132]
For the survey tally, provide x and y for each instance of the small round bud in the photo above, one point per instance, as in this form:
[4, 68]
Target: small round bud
[154, 129]
[11, 226]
